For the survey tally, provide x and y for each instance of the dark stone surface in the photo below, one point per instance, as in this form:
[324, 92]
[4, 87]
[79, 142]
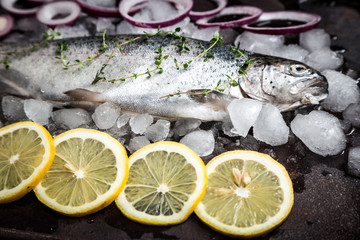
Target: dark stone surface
[327, 200]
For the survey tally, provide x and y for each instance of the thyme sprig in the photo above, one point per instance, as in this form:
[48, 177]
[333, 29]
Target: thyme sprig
[182, 46]
[215, 41]
[48, 36]
[220, 84]
[158, 61]
[66, 64]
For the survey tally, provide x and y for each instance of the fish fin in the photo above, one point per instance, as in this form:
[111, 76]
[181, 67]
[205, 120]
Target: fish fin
[83, 95]
[85, 99]
[13, 82]
[215, 99]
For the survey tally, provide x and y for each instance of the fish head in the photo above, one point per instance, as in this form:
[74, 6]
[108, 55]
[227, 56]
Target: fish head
[285, 83]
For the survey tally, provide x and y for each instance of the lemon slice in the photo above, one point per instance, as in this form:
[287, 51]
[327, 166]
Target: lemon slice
[26, 153]
[166, 182]
[90, 169]
[248, 194]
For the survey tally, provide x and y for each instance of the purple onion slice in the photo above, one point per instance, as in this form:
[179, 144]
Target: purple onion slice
[283, 22]
[59, 13]
[230, 17]
[128, 7]
[6, 24]
[221, 4]
[99, 10]
[20, 8]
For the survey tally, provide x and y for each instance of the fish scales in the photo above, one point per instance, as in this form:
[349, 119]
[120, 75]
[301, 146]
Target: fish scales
[40, 74]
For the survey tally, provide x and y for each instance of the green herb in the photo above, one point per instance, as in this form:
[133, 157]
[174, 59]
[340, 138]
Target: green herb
[220, 84]
[48, 36]
[6, 63]
[158, 61]
[215, 41]
[66, 64]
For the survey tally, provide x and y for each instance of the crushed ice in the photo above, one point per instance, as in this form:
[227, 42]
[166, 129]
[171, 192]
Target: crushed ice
[106, 115]
[38, 111]
[202, 142]
[320, 131]
[343, 91]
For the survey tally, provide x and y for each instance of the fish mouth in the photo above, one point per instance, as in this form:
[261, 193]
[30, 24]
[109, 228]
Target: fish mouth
[316, 86]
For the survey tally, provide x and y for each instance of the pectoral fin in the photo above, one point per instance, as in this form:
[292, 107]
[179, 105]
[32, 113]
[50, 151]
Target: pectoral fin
[84, 98]
[215, 99]
[80, 94]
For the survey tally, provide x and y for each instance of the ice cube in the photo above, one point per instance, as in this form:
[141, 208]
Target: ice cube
[292, 51]
[158, 131]
[140, 123]
[71, 118]
[126, 28]
[202, 142]
[71, 31]
[205, 34]
[184, 126]
[320, 131]
[103, 24]
[260, 43]
[323, 59]
[182, 24]
[343, 91]
[243, 114]
[314, 39]
[353, 165]
[119, 132]
[189, 29]
[106, 115]
[137, 142]
[157, 10]
[102, 3]
[13, 109]
[352, 114]
[270, 126]
[123, 119]
[229, 35]
[38, 111]
[229, 130]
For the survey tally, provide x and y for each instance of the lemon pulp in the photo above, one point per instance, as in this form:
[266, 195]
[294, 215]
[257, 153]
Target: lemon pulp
[26, 152]
[166, 181]
[88, 172]
[160, 192]
[248, 194]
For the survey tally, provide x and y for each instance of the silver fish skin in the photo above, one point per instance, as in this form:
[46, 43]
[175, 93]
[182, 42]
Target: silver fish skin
[39, 74]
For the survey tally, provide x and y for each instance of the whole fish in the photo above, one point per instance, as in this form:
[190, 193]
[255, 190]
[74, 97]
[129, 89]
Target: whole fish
[167, 92]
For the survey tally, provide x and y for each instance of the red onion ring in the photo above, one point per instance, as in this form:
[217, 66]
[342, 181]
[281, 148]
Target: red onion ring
[221, 4]
[98, 10]
[9, 5]
[48, 11]
[254, 13]
[127, 6]
[6, 24]
[311, 20]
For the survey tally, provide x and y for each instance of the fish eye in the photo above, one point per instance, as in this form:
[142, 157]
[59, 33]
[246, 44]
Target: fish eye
[299, 70]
